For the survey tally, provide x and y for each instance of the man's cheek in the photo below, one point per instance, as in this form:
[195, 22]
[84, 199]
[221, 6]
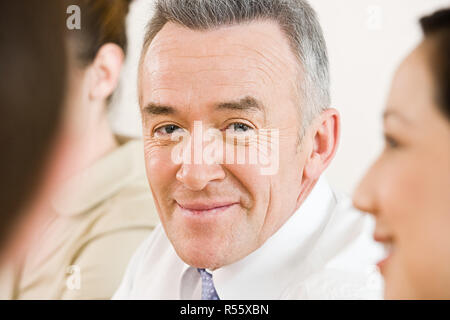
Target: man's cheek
[161, 176]
[255, 195]
[158, 161]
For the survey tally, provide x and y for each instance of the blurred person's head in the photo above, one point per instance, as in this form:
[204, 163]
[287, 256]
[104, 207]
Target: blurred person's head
[96, 56]
[243, 68]
[33, 71]
[408, 187]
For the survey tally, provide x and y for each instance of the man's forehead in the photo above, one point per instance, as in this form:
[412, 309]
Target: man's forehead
[244, 55]
[259, 44]
[257, 34]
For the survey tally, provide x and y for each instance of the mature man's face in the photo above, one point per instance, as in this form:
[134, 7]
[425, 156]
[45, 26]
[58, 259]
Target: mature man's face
[237, 79]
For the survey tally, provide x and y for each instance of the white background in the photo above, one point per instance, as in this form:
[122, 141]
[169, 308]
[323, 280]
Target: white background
[366, 41]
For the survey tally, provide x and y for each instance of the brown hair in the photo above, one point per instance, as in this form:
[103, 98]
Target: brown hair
[33, 71]
[102, 21]
[436, 28]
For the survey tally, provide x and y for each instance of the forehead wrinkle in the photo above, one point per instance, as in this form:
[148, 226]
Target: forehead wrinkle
[162, 73]
[271, 59]
[266, 58]
[160, 81]
[225, 77]
[168, 77]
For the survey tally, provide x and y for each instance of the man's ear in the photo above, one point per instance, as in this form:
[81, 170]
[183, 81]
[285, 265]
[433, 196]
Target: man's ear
[105, 71]
[325, 131]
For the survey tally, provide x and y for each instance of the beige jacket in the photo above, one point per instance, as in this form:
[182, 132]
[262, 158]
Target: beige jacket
[99, 219]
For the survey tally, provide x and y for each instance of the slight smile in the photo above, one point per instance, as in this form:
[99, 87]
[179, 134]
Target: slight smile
[205, 208]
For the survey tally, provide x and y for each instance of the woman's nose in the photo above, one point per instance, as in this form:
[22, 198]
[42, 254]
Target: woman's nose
[364, 195]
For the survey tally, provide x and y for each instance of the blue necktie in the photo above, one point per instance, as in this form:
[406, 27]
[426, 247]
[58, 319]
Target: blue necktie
[208, 290]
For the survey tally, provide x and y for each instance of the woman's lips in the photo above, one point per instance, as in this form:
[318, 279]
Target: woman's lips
[205, 207]
[388, 247]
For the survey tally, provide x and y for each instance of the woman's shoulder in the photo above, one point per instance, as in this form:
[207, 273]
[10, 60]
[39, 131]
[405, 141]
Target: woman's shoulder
[130, 203]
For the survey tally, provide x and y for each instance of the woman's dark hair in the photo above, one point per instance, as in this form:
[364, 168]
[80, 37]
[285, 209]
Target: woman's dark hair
[102, 21]
[32, 90]
[436, 28]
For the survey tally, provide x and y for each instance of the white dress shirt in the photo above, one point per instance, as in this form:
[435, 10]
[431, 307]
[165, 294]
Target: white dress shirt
[324, 251]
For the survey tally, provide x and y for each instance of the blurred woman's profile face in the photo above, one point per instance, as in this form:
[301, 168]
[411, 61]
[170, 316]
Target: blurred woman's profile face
[408, 187]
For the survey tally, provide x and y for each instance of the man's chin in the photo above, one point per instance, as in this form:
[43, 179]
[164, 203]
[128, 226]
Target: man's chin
[207, 244]
[201, 254]
[203, 261]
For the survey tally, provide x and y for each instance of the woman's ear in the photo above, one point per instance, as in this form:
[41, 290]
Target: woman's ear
[105, 71]
[325, 139]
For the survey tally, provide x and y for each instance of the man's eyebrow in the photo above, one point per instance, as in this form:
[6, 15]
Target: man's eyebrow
[157, 109]
[245, 104]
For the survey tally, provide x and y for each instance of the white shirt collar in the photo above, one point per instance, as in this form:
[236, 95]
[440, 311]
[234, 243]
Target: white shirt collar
[267, 272]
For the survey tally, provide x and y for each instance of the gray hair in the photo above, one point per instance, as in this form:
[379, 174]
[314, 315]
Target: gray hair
[295, 17]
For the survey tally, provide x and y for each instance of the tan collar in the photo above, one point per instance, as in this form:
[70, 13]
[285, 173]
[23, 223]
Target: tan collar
[102, 180]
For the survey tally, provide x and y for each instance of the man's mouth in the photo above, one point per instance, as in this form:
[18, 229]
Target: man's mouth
[202, 208]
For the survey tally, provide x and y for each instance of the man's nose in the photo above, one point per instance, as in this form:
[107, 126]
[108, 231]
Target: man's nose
[197, 176]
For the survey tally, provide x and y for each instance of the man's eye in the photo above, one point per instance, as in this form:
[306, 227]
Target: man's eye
[238, 127]
[166, 130]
